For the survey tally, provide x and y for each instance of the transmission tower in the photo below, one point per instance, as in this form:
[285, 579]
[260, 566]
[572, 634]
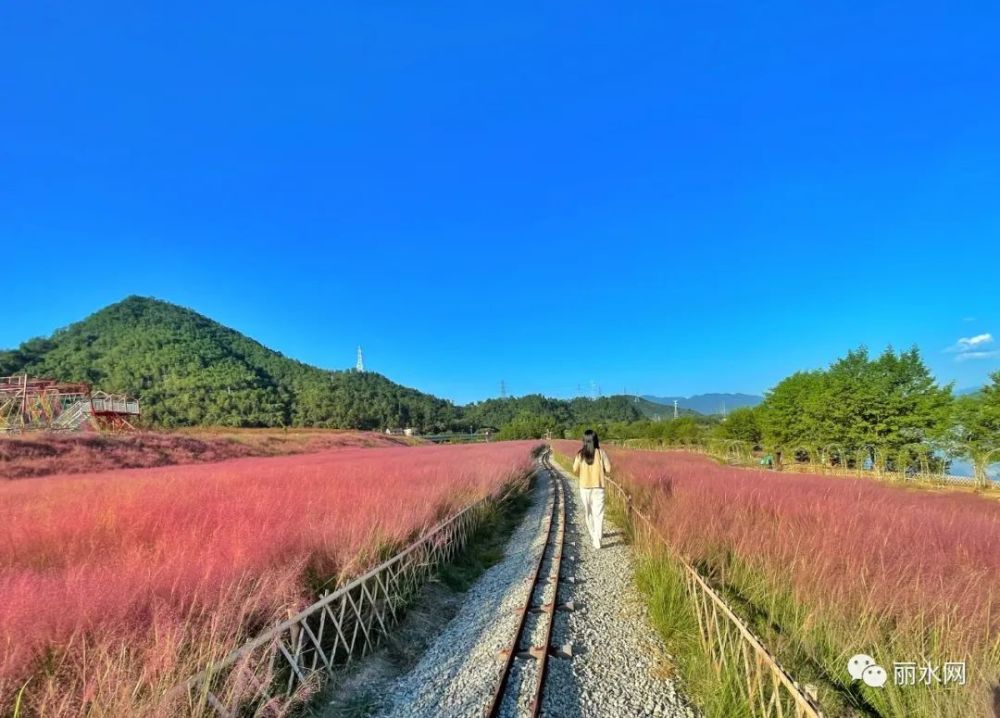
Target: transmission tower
[675, 408]
[503, 389]
[360, 366]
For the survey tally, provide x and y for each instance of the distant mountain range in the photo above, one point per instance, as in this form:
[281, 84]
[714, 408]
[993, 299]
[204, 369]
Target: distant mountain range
[707, 403]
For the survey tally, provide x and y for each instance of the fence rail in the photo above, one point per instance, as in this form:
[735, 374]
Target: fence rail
[279, 667]
[733, 648]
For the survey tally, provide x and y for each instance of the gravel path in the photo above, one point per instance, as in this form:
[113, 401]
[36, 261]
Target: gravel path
[456, 675]
[618, 668]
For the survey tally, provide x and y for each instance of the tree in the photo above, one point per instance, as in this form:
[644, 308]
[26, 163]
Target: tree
[976, 427]
[791, 415]
[683, 430]
[741, 424]
[527, 426]
[890, 409]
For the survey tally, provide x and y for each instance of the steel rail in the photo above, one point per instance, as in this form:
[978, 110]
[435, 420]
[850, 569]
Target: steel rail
[548, 609]
[555, 532]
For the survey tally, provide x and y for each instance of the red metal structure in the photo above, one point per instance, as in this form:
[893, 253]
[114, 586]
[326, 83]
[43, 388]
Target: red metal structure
[112, 412]
[34, 404]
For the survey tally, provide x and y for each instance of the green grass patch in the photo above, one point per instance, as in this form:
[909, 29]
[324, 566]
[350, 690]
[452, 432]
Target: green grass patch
[661, 581]
[563, 461]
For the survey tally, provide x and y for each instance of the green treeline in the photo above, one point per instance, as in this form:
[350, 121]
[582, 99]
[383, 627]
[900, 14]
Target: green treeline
[534, 416]
[885, 411]
[189, 370]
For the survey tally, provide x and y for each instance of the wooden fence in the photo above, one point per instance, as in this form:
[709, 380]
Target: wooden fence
[768, 688]
[279, 668]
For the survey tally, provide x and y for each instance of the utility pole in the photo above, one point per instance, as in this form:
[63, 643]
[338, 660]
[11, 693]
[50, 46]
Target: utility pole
[675, 408]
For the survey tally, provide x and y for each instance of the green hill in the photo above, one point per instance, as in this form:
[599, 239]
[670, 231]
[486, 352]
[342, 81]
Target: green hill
[189, 370]
[653, 410]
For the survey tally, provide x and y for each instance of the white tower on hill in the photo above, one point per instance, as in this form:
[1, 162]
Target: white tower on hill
[360, 366]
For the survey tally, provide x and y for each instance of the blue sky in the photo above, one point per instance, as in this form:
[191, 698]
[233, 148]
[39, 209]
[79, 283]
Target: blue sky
[671, 198]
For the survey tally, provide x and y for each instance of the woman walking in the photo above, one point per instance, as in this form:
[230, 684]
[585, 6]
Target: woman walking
[592, 466]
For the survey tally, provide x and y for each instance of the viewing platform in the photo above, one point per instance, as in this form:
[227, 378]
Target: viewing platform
[39, 404]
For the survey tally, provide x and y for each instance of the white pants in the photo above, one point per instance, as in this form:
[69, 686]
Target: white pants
[593, 510]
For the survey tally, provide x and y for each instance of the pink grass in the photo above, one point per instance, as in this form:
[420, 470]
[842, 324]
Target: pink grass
[863, 559]
[121, 574]
[45, 454]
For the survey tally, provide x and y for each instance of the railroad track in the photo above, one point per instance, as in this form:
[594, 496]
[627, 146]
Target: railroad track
[531, 643]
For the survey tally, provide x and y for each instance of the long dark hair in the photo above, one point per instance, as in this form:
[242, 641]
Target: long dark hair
[590, 446]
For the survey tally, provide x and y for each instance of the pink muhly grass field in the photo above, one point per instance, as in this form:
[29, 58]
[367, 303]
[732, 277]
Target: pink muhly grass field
[116, 585]
[900, 574]
[35, 454]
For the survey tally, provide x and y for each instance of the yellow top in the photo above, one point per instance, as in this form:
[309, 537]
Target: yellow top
[592, 475]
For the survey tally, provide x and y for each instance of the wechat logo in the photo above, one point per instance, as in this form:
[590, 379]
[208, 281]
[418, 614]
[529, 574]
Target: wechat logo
[863, 667]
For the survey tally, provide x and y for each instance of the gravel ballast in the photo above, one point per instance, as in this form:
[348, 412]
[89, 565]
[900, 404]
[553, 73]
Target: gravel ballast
[618, 667]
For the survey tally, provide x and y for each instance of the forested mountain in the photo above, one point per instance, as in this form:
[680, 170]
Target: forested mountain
[189, 370]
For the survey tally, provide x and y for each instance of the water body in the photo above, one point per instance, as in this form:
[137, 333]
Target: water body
[964, 468]
[961, 469]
